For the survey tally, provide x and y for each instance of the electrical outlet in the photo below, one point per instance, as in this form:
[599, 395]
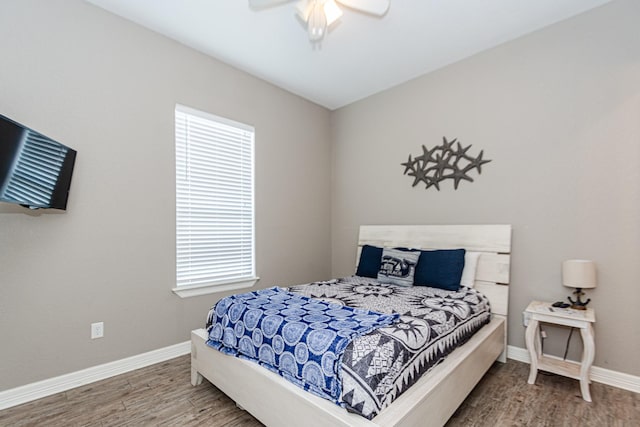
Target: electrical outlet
[97, 330]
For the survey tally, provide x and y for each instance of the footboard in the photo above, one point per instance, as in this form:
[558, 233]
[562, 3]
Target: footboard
[275, 402]
[265, 395]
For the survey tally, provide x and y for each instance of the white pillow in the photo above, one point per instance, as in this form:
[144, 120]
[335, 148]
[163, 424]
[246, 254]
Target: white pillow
[469, 271]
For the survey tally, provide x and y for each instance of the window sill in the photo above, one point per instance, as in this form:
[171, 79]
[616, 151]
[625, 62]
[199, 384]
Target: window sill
[194, 291]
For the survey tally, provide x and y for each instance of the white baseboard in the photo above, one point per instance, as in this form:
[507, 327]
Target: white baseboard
[27, 393]
[599, 375]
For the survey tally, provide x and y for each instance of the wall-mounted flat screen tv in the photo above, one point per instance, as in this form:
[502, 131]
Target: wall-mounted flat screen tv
[35, 170]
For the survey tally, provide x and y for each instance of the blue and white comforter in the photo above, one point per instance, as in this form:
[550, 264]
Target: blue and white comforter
[379, 366]
[300, 338]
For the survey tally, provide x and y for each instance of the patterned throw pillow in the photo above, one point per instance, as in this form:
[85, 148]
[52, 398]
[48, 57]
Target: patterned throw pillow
[398, 267]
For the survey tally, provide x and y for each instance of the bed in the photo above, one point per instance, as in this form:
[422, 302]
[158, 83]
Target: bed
[434, 397]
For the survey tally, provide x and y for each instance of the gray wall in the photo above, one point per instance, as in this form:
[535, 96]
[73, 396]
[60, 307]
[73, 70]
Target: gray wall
[558, 112]
[108, 88]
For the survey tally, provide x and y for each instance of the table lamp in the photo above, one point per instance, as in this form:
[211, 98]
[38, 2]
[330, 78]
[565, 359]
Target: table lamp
[579, 274]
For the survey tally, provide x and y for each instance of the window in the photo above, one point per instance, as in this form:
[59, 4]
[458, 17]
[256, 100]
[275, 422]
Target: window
[214, 204]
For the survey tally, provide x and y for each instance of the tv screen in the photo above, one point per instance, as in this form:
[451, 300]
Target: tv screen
[35, 171]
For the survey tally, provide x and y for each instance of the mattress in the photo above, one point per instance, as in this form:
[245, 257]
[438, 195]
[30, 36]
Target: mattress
[379, 366]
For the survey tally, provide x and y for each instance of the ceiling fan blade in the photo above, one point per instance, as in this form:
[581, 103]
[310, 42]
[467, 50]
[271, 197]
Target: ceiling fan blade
[264, 4]
[373, 7]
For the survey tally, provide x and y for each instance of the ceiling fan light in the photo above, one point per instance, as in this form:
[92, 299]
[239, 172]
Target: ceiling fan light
[317, 23]
[331, 11]
[303, 8]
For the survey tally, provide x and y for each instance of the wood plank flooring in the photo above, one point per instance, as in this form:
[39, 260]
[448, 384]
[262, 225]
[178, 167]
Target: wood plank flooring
[161, 395]
[504, 398]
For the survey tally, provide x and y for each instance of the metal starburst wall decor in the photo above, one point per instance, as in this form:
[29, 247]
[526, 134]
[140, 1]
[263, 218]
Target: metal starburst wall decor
[443, 162]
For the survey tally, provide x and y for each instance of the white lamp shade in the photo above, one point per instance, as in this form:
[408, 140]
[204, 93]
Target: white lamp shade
[579, 273]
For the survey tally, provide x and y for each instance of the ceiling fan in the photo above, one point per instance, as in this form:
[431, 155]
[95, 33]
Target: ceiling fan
[320, 14]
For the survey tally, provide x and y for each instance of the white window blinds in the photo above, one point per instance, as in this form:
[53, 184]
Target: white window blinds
[214, 199]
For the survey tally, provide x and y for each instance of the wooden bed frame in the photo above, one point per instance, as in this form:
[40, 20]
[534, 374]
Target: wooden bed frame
[431, 400]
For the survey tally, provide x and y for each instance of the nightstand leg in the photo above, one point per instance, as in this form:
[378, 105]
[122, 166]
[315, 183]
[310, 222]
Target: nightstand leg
[588, 354]
[530, 338]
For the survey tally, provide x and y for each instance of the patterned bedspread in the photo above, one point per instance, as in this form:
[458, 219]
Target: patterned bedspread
[379, 366]
[300, 338]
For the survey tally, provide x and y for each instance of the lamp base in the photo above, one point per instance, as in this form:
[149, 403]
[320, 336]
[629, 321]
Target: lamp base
[578, 304]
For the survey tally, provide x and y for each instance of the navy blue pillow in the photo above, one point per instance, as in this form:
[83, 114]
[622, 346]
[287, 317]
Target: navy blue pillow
[440, 269]
[369, 264]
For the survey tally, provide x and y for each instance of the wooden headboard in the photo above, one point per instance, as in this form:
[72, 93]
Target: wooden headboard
[494, 241]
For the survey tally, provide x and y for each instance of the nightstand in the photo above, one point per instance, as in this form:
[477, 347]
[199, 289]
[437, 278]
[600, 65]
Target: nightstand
[538, 312]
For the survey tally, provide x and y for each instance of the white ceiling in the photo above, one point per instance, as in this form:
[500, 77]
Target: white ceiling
[361, 55]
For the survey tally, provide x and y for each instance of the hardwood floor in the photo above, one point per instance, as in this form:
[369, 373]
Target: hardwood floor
[161, 395]
[504, 398]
